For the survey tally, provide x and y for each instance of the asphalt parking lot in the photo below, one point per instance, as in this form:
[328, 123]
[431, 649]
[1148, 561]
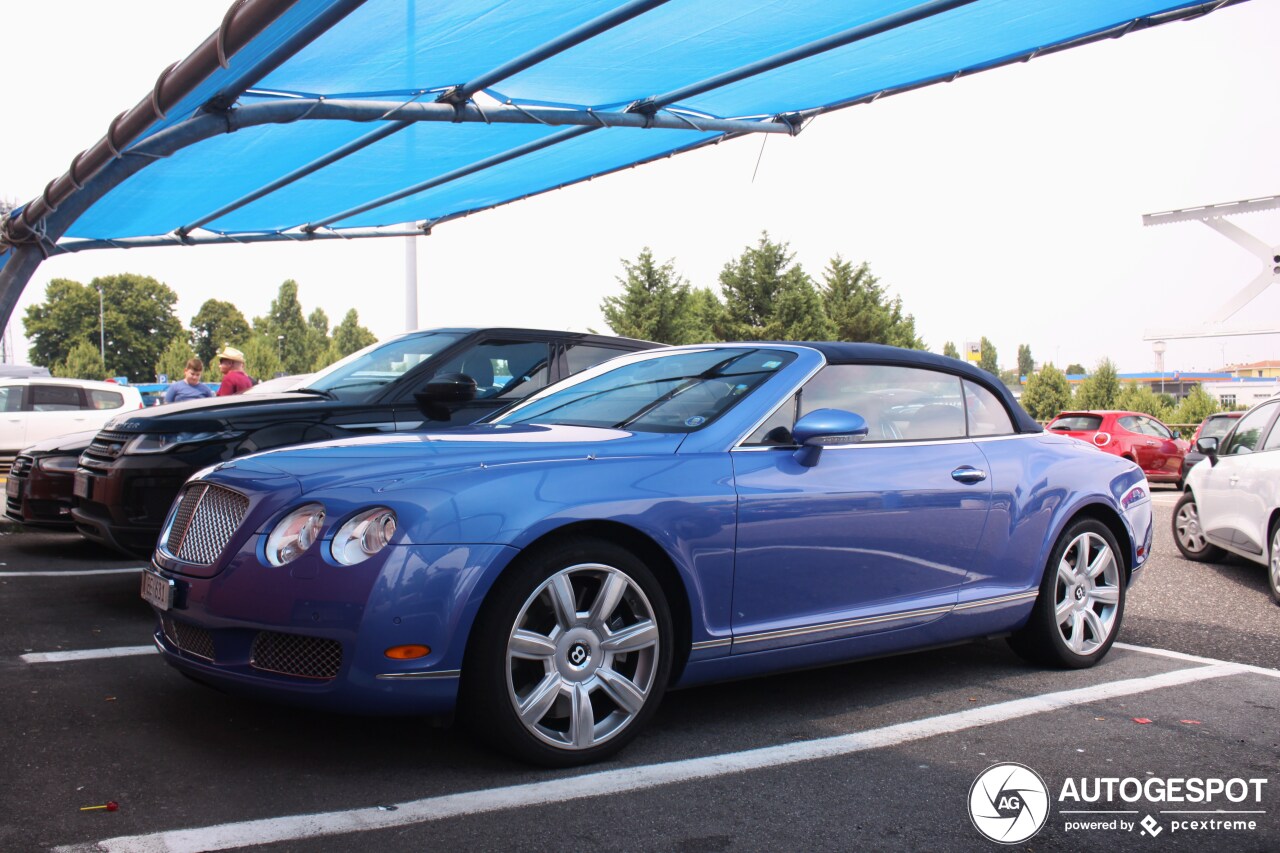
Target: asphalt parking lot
[878, 755]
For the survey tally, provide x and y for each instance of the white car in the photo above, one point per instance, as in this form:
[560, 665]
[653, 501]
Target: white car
[32, 410]
[1232, 500]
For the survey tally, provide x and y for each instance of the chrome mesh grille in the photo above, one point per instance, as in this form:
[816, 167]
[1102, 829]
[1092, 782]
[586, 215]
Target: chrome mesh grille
[204, 522]
[21, 466]
[296, 654]
[192, 639]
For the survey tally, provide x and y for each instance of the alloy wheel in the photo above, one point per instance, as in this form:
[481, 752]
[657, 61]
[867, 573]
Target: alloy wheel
[582, 657]
[1186, 526]
[1087, 593]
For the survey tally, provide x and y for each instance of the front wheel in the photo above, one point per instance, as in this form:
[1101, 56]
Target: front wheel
[1189, 536]
[570, 656]
[1273, 564]
[1078, 611]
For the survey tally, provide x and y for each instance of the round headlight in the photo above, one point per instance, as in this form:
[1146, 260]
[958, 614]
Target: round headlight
[365, 534]
[295, 533]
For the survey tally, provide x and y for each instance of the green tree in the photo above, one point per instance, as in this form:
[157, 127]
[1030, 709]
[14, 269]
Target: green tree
[1136, 397]
[284, 324]
[861, 310]
[1195, 407]
[1046, 393]
[707, 313]
[950, 351]
[83, 362]
[1026, 365]
[261, 358]
[137, 316]
[348, 336]
[217, 324]
[1100, 389]
[318, 339]
[173, 361]
[1074, 369]
[754, 285]
[654, 304]
[988, 360]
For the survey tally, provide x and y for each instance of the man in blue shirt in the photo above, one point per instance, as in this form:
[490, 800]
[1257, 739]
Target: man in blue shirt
[189, 387]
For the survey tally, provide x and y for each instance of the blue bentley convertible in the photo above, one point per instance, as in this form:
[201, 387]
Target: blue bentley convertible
[667, 518]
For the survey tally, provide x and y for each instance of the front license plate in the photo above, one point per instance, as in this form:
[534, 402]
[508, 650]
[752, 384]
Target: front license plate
[11, 487]
[157, 590]
[80, 488]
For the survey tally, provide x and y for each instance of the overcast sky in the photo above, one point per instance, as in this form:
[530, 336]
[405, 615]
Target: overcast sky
[1007, 204]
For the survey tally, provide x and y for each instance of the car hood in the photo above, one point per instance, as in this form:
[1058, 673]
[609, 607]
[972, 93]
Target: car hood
[63, 445]
[409, 457]
[208, 413]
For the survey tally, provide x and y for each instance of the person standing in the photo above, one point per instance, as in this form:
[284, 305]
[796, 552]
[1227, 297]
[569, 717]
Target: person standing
[189, 387]
[234, 379]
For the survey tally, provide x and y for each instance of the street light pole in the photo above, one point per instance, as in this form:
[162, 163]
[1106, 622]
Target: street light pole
[102, 331]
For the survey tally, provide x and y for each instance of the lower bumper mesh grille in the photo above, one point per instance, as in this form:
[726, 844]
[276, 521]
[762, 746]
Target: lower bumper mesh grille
[192, 639]
[295, 654]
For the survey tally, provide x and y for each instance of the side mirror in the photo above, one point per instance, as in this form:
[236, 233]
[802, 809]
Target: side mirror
[1208, 447]
[826, 428]
[444, 388]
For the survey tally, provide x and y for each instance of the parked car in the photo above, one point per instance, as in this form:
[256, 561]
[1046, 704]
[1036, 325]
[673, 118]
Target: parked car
[669, 518]
[38, 489]
[1232, 504]
[1214, 426]
[130, 473]
[1133, 435]
[32, 410]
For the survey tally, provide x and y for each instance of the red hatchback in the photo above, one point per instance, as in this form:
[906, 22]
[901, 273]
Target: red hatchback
[1132, 435]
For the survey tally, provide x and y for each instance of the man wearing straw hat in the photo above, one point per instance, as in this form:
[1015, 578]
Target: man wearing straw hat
[234, 379]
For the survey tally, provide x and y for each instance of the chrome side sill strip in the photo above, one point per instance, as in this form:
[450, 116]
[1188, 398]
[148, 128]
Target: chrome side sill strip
[415, 676]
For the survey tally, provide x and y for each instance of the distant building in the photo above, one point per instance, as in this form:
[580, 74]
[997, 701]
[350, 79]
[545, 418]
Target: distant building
[1257, 370]
[1246, 391]
[1177, 383]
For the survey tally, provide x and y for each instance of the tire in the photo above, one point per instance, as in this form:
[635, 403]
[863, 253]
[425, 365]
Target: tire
[1273, 562]
[1188, 535]
[551, 678]
[1078, 612]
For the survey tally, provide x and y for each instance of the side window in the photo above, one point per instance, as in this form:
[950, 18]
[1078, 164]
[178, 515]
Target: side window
[898, 403]
[11, 398]
[1248, 430]
[1273, 440]
[1155, 428]
[502, 369]
[579, 357]
[1132, 424]
[986, 414]
[55, 398]
[105, 399]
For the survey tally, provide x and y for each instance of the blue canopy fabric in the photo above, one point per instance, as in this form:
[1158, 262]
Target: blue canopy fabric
[547, 84]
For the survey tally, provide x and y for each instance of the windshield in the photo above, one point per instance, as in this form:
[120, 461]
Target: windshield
[669, 392]
[360, 376]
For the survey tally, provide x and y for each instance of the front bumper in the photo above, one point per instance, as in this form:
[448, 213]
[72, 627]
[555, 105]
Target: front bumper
[314, 633]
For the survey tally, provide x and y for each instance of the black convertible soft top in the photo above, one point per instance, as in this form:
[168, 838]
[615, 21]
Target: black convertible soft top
[841, 352]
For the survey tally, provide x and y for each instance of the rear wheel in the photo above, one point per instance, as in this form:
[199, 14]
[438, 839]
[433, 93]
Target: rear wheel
[1081, 602]
[570, 656]
[1189, 536]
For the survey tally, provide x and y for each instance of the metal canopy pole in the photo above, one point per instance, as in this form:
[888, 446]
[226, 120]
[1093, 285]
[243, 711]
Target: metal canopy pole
[1213, 215]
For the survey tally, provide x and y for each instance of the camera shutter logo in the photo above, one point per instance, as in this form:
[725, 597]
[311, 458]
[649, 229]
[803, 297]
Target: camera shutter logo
[1008, 803]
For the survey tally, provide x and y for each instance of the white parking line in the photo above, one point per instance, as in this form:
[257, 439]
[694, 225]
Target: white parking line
[1167, 653]
[71, 574]
[275, 830]
[87, 654]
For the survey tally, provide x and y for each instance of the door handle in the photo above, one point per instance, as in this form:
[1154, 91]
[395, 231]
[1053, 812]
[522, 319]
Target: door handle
[966, 474]
[1235, 478]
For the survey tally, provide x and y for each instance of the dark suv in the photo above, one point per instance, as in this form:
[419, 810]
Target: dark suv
[129, 475]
